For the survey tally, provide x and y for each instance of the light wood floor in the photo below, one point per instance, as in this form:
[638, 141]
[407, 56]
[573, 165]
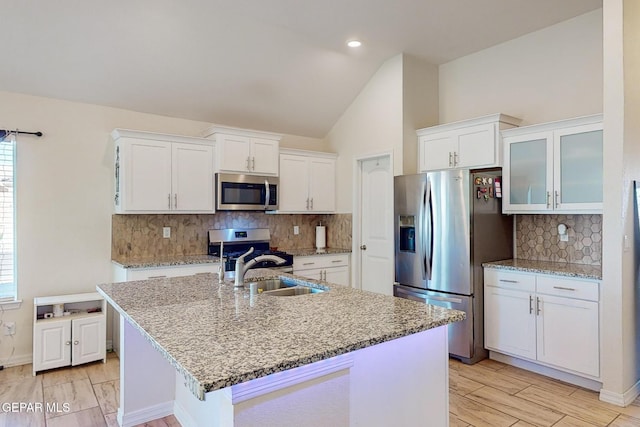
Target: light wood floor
[488, 394]
[493, 394]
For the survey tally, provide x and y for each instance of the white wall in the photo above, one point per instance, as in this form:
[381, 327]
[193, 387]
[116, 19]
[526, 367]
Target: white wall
[371, 124]
[621, 302]
[64, 206]
[551, 74]
[401, 97]
[420, 106]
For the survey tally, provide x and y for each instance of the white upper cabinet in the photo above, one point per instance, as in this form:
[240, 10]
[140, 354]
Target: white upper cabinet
[466, 144]
[157, 173]
[245, 151]
[307, 182]
[554, 167]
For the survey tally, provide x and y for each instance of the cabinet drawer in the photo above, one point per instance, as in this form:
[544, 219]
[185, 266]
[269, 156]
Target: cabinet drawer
[571, 288]
[509, 280]
[320, 261]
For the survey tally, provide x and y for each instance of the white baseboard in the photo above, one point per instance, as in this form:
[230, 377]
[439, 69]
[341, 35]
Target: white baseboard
[547, 371]
[21, 359]
[623, 399]
[183, 417]
[142, 416]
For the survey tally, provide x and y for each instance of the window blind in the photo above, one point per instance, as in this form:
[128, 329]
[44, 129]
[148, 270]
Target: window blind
[7, 219]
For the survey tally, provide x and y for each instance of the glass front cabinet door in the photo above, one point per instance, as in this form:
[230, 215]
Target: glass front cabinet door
[554, 167]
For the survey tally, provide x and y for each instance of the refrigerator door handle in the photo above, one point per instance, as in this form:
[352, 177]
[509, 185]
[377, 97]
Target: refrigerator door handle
[429, 230]
[425, 234]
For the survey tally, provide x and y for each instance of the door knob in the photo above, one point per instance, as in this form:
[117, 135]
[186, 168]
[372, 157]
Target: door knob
[363, 247]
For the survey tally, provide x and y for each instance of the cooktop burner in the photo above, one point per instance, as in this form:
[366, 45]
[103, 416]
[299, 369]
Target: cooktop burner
[236, 242]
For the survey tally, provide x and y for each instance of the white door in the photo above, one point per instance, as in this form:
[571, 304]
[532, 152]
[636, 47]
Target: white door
[192, 177]
[568, 333]
[294, 184]
[148, 175]
[88, 339]
[264, 156]
[322, 185]
[52, 342]
[234, 153]
[376, 225]
[510, 322]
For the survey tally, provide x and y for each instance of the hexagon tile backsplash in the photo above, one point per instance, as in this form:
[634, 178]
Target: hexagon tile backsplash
[537, 238]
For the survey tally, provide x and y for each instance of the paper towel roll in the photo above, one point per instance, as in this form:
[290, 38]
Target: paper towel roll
[321, 237]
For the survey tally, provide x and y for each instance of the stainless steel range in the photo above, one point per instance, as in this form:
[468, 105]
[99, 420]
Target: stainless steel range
[236, 241]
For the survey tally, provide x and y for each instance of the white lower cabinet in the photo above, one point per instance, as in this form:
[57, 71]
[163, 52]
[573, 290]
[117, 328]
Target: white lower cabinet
[73, 339]
[548, 319]
[333, 268]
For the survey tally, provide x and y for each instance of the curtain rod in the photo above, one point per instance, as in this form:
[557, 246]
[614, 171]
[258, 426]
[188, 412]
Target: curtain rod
[5, 132]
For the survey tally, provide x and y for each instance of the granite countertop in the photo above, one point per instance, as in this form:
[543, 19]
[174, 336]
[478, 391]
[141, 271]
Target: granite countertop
[167, 261]
[584, 271]
[216, 336]
[314, 251]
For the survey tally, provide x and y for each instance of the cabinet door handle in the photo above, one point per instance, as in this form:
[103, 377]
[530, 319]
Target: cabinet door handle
[320, 275]
[169, 200]
[67, 343]
[557, 203]
[548, 200]
[450, 159]
[307, 203]
[325, 275]
[76, 342]
[175, 200]
[537, 306]
[563, 288]
[308, 263]
[248, 160]
[455, 158]
[156, 277]
[508, 281]
[530, 304]
[312, 203]
[253, 163]
[336, 260]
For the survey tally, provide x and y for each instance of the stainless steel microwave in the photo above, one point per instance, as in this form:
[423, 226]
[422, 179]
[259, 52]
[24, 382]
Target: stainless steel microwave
[238, 192]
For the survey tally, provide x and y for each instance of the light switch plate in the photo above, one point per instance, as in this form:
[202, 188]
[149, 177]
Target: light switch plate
[296, 230]
[166, 232]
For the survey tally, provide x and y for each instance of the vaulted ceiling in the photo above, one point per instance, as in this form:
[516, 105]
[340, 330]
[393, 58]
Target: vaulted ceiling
[277, 65]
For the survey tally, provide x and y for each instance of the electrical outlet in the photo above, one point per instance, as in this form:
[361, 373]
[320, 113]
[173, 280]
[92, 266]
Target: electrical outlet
[296, 230]
[10, 328]
[166, 232]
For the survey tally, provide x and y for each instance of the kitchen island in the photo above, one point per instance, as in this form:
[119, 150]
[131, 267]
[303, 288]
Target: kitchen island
[217, 356]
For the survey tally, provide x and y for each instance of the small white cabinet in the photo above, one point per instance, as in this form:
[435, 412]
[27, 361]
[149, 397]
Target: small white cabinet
[75, 337]
[307, 182]
[548, 319]
[333, 268]
[245, 151]
[554, 167]
[465, 144]
[156, 173]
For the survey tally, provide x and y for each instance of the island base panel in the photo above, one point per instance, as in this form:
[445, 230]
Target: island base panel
[147, 379]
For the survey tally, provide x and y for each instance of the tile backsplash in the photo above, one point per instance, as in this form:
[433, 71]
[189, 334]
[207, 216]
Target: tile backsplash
[537, 238]
[140, 236]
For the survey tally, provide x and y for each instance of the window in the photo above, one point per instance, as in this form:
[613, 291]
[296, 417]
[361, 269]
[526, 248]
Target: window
[7, 219]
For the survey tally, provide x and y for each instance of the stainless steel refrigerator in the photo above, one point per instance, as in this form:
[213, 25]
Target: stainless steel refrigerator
[446, 225]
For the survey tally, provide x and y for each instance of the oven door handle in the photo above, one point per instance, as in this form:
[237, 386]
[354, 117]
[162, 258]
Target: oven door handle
[267, 195]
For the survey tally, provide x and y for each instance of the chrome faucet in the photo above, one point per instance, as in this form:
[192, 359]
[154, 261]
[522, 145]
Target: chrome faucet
[242, 267]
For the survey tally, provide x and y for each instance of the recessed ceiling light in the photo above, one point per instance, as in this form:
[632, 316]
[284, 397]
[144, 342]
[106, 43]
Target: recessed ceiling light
[354, 43]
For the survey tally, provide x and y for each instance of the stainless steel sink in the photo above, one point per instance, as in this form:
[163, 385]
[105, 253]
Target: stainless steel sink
[281, 287]
[293, 291]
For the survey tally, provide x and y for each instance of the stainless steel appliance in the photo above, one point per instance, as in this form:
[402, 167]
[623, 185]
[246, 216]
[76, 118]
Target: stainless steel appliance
[237, 192]
[236, 242]
[446, 225]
